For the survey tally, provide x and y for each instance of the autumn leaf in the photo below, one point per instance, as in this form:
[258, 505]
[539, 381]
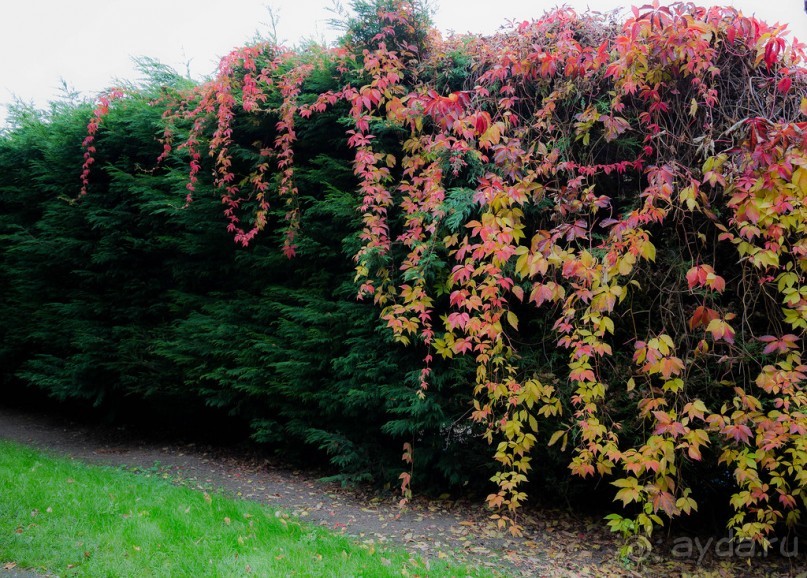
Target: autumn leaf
[779, 345]
[614, 126]
[702, 317]
[737, 432]
[481, 122]
[720, 330]
[665, 502]
[784, 85]
[630, 490]
[705, 276]
[555, 437]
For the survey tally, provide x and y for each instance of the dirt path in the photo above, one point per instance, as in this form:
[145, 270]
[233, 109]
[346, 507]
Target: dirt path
[429, 528]
[554, 545]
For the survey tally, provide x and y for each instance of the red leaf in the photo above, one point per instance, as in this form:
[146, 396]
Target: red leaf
[702, 316]
[704, 275]
[481, 122]
[772, 50]
[739, 433]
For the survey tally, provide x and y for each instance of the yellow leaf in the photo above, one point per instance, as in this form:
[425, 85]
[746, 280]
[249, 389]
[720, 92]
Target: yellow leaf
[686, 504]
[800, 179]
[630, 491]
[492, 136]
[649, 251]
[555, 437]
[624, 266]
[512, 319]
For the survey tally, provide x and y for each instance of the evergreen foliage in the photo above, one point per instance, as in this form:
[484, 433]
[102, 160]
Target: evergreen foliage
[127, 294]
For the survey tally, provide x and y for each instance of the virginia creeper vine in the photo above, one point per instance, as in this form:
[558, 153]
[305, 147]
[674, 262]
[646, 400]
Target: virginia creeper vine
[575, 145]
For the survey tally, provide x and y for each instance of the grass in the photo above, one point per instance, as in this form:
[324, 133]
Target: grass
[72, 519]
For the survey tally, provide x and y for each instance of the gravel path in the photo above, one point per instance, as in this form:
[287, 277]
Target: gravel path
[10, 570]
[554, 545]
[430, 528]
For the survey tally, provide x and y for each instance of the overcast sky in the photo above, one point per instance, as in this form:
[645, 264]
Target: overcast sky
[90, 43]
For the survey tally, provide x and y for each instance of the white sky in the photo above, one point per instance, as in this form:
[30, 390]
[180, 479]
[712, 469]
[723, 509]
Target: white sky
[90, 43]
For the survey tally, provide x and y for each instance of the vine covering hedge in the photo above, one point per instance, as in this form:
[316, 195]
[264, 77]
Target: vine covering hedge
[589, 232]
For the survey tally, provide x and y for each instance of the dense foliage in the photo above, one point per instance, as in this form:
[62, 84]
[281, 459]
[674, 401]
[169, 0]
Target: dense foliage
[133, 301]
[591, 233]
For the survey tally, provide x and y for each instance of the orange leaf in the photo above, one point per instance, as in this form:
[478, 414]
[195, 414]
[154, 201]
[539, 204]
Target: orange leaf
[666, 502]
[702, 316]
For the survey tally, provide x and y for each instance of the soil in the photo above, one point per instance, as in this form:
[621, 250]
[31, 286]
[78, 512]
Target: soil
[554, 544]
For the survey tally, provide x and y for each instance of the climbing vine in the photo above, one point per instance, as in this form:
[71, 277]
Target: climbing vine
[639, 184]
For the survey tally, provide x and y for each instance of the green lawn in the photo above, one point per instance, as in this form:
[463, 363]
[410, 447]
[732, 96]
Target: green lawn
[78, 520]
